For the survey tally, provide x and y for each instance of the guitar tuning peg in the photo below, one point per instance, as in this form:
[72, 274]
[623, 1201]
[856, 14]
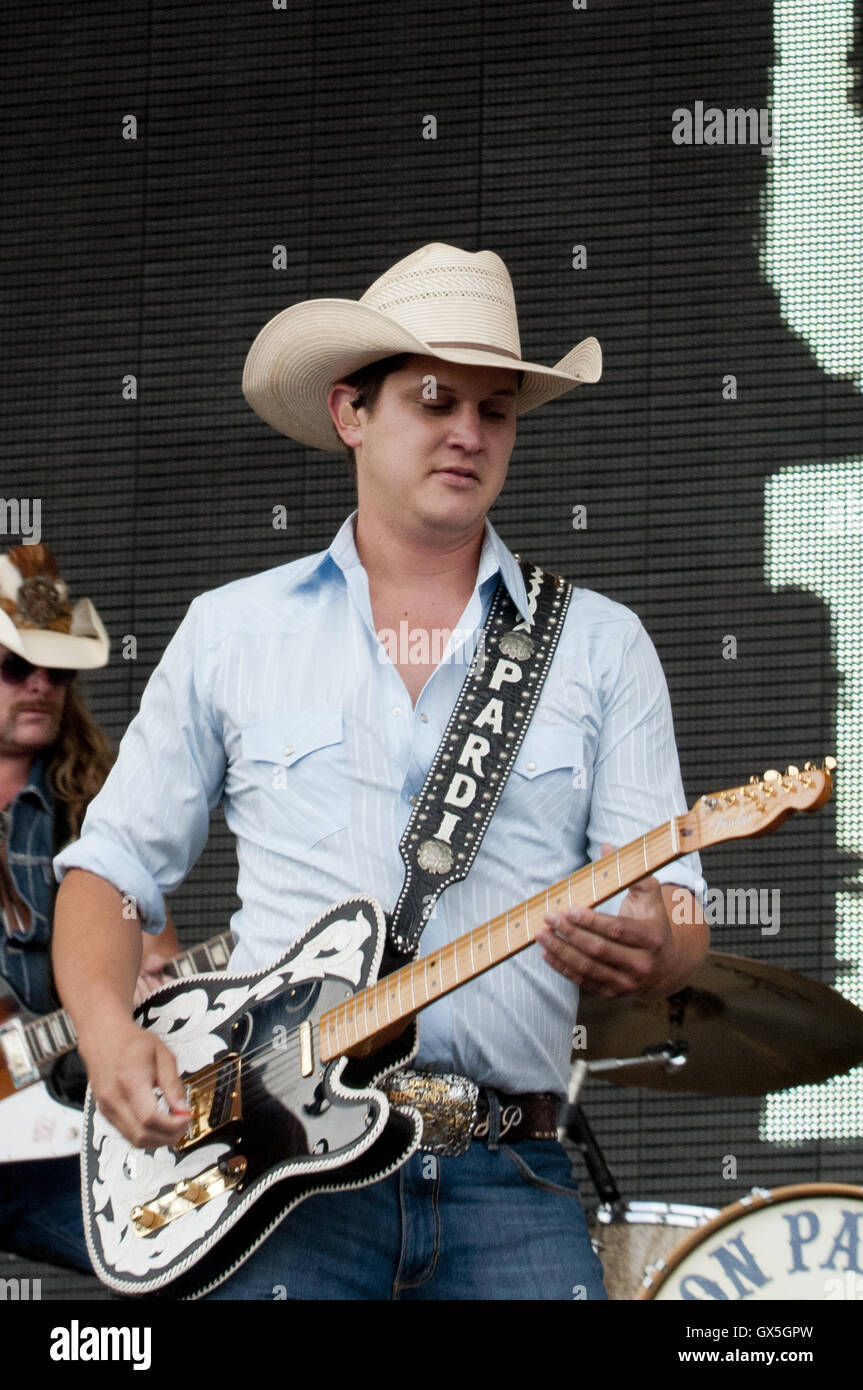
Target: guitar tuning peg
[830, 763]
[771, 775]
[753, 781]
[792, 771]
[809, 767]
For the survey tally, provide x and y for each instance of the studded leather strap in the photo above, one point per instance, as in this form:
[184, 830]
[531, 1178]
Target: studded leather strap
[479, 747]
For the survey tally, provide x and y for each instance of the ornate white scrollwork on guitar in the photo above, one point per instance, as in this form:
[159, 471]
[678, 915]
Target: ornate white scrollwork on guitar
[284, 1068]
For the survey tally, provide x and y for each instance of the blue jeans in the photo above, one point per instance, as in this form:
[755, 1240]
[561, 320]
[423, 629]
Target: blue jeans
[494, 1223]
[40, 1212]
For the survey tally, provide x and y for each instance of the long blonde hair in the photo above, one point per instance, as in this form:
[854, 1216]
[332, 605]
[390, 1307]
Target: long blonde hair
[79, 761]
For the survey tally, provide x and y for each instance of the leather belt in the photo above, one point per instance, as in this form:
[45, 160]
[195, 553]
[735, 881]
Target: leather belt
[455, 1111]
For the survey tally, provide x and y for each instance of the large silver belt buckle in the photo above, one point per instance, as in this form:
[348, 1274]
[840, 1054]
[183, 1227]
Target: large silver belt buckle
[447, 1105]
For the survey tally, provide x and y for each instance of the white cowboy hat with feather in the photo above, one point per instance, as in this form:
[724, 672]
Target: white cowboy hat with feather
[37, 620]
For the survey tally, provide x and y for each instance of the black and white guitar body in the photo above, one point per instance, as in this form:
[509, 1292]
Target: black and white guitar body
[271, 1124]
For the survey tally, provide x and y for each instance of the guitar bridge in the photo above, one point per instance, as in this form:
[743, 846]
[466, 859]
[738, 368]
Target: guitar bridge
[214, 1098]
[186, 1195]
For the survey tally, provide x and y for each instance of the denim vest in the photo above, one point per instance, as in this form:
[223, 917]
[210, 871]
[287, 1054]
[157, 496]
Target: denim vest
[25, 958]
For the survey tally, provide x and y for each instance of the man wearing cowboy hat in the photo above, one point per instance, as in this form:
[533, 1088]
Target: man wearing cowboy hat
[277, 696]
[53, 759]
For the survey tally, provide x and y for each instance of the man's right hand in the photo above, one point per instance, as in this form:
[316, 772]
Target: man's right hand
[97, 961]
[126, 1066]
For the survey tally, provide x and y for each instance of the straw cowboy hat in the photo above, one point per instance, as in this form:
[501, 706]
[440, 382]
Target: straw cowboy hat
[438, 302]
[36, 618]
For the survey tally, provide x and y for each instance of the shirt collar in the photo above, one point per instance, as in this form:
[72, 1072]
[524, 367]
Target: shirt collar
[494, 559]
[37, 783]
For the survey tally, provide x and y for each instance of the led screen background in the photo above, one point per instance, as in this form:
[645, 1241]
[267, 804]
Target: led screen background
[718, 460]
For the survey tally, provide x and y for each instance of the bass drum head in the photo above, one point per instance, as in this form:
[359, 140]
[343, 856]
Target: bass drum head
[793, 1244]
[631, 1236]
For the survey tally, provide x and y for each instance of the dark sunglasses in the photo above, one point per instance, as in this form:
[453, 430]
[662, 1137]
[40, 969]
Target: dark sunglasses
[14, 670]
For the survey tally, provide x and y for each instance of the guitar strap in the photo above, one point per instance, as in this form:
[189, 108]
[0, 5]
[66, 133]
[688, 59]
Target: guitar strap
[479, 747]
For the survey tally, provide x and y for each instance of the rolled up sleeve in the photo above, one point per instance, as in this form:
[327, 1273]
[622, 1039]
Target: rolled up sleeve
[149, 823]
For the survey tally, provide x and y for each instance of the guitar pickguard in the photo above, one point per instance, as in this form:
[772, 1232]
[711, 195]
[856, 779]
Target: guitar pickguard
[264, 1106]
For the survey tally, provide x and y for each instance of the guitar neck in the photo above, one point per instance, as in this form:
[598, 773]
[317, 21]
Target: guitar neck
[51, 1036]
[198, 960]
[382, 1008]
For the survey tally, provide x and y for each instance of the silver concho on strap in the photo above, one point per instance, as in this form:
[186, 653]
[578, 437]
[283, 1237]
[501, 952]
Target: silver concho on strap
[517, 645]
[435, 857]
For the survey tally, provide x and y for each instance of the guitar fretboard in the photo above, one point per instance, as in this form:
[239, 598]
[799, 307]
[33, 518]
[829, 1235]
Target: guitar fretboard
[395, 999]
[210, 955]
[50, 1037]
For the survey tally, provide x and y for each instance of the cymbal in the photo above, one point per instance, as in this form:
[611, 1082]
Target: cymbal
[748, 1028]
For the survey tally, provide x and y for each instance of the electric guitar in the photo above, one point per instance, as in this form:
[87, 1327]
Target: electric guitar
[33, 1124]
[284, 1067]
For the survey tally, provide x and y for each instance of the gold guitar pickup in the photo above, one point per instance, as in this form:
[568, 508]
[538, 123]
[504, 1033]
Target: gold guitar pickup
[186, 1195]
[214, 1099]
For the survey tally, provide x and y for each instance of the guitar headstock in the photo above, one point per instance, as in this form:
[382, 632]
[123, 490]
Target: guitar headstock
[760, 806]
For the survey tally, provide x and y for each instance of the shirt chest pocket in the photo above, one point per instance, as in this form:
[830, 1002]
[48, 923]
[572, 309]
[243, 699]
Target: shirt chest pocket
[552, 748]
[546, 796]
[296, 771]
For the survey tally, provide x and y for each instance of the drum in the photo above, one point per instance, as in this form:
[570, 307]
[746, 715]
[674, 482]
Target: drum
[801, 1243]
[631, 1236]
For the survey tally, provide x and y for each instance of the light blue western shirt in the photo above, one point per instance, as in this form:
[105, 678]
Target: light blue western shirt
[277, 697]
